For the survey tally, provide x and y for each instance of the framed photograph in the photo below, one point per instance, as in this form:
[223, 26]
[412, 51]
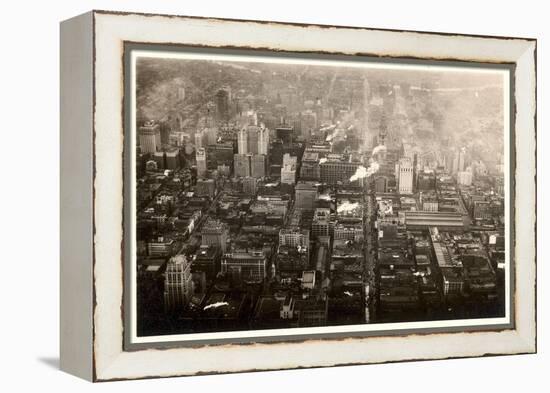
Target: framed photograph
[246, 195]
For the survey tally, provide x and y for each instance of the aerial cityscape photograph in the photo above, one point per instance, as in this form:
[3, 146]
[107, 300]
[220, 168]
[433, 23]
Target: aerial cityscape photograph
[276, 195]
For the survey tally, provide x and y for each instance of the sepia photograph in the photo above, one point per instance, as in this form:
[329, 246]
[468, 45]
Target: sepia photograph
[247, 195]
[280, 195]
[243, 196]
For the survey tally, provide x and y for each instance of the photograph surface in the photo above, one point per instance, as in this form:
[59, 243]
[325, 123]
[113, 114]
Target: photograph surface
[274, 195]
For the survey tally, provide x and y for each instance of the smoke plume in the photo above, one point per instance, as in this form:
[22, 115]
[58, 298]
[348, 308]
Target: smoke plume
[347, 206]
[378, 149]
[363, 172]
[215, 305]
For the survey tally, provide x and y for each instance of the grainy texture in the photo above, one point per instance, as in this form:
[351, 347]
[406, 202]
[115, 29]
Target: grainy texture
[112, 30]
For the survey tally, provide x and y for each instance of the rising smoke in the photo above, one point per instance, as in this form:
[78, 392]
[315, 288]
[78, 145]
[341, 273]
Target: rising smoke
[347, 206]
[363, 172]
[215, 305]
[378, 149]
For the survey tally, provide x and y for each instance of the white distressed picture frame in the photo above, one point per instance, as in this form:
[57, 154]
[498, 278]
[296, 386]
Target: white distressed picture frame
[92, 252]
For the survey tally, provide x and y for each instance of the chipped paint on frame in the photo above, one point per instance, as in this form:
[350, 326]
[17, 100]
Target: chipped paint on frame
[402, 56]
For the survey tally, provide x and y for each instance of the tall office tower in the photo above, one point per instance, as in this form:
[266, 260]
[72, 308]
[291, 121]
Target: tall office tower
[241, 165]
[211, 135]
[380, 183]
[263, 141]
[158, 157]
[253, 138]
[288, 174]
[366, 93]
[405, 176]
[242, 141]
[215, 232]
[178, 286]
[382, 132]
[222, 103]
[416, 169]
[425, 181]
[201, 162]
[308, 123]
[246, 116]
[320, 225]
[306, 195]
[461, 159]
[199, 140]
[181, 93]
[455, 162]
[310, 169]
[165, 132]
[172, 159]
[149, 138]
[257, 166]
[285, 134]
[219, 154]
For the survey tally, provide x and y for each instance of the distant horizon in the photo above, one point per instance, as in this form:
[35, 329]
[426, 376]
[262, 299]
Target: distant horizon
[446, 119]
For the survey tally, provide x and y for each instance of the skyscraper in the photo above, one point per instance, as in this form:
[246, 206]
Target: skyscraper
[241, 165]
[461, 159]
[321, 223]
[288, 174]
[310, 169]
[306, 195]
[216, 233]
[454, 168]
[263, 141]
[181, 93]
[382, 132]
[158, 157]
[257, 166]
[165, 132]
[285, 134]
[178, 286]
[308, 123]
[405, 176]
[222, 103]
[199, 139]
[253, 139]
[211, 135]
[201, 162]
[172, 159]
[149, 138]
[242, 141]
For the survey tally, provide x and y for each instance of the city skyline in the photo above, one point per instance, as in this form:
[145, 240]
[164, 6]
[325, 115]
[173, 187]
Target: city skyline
[276, 196]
